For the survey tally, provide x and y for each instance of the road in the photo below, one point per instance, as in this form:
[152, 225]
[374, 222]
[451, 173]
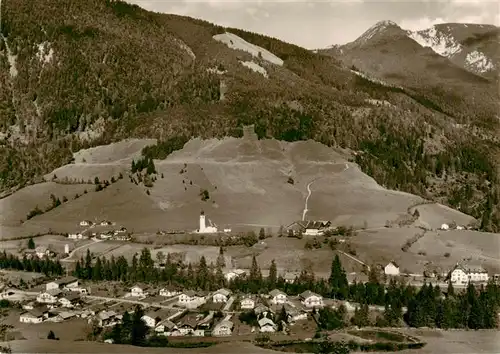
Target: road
[143, 303]
[354, 259]
[78, 248]
[309, 192]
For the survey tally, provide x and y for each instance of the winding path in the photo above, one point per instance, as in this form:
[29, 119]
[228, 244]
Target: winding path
[309, 192]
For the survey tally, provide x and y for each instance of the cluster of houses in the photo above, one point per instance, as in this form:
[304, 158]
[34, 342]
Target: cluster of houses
[120, 234]
[308, 227]
[39, 252]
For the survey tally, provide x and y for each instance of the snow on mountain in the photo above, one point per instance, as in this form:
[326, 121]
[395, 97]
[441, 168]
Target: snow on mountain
[377, 28]
[441, 43]
[235, 42]
[478, 61]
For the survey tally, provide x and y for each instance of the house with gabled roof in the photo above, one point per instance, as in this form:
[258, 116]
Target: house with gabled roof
[392, 269]
[267, 325]
[311, 300]
[247, 302]
[49, 297]
[192, 299]
[223, 328]
[277, 296]
[33, 316]
[65, 283]
[221, 295]
[463, 274]
[70, 300]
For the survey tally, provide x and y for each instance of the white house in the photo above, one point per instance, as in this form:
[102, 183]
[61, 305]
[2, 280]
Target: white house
[311, 300]
[77, 236]
[290, 277]
[106, 223]
[223, 328]
[221, 295]
[32, 316]
[66, 283]
[137, 291]
[49, 296]
[247, 303]
[444, 227]
[278, 297]
[86, 223]
[462, 275]
[106, 319]
[191, 299]
[267, 325]
[169, 292]
[151, 318]
[392, 269]
[235, 273]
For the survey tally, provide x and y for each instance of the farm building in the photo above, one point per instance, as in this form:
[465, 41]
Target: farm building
[76, 236]
[86, 223]
[152, 318]
[69, 300]
[42, 251]
[444, 227]
[63, 283]
[391, 269]
[33, 316]
[308, 227]
[192, 298]
[465, 274]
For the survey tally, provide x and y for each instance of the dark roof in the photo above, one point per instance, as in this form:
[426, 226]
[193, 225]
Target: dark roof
[310, 224]
[72, 296]
[35, 313]
[66, 280]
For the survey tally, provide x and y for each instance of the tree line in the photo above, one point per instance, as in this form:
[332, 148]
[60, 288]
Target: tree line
[46, 266]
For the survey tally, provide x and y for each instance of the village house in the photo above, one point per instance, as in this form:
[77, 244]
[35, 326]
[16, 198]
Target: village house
[105, 223]
[169, 292]
[70, 300]
[223, 328]
[76, 236]
[293, 314]
[247, 303]
[187, 326]
[278, 297]
[191, 299]
[235, 273]
[106, 318]
[151, 318]
[290, 277]
[462, 275]
[86, 223]
[261, 310]
[66, 283]
[138, 291]
[311, 300]
[165, 327]
[267, 325]
[33, 316]
[308, 228]
[64, 316]
[49, 296]
[391, 269]
[221, 296]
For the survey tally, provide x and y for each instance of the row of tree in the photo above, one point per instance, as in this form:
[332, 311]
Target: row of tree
[475, 308]
[46, 266]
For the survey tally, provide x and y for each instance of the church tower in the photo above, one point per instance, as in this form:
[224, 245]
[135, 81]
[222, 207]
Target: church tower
[202, 221]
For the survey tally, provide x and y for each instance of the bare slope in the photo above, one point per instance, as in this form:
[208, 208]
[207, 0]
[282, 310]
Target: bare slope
[248, 182]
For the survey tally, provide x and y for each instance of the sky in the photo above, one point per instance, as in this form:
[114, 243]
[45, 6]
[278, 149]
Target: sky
[320, 23]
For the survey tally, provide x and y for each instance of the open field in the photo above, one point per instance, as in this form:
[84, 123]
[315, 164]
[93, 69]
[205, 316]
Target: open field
[383, 245]
[248, 185]
[61, 346]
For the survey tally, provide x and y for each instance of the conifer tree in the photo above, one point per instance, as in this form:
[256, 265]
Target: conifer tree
[338, 280]
[273, 275]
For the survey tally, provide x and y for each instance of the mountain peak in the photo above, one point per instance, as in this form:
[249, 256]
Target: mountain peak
[378, 28]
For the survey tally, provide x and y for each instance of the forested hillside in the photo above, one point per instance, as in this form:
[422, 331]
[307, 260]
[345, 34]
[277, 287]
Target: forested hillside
[76, 73]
